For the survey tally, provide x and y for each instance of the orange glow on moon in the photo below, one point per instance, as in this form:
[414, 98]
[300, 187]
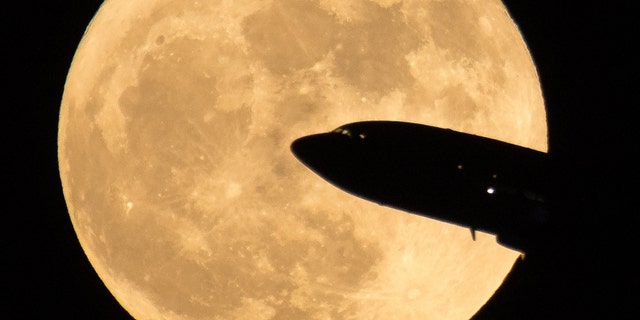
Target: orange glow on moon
[174, 155]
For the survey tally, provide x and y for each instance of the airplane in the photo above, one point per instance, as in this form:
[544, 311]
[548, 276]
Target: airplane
[471, 181]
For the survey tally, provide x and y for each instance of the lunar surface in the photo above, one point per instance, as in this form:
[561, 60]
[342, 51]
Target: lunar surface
[174, 135]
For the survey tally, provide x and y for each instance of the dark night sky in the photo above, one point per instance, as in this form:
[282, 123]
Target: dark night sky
[583, 55]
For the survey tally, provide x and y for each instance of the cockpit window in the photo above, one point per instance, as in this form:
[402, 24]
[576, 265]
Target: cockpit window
[343, 131]
[349, 133]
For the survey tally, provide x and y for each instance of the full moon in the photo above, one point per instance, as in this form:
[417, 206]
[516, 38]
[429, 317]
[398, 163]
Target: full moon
[173, 146]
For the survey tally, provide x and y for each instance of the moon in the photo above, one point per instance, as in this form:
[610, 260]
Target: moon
[173, 147]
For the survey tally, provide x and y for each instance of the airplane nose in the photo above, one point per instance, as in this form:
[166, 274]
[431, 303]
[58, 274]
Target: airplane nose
[311, 150]
[322, 153]
[301, 147]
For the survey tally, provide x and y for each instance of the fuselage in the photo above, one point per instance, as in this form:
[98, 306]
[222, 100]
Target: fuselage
[472, 181]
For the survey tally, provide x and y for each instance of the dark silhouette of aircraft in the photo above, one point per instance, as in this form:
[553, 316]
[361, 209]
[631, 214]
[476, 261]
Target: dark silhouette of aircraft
[471, 181]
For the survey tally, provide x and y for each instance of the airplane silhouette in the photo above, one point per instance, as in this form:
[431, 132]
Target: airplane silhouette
[471, 181]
